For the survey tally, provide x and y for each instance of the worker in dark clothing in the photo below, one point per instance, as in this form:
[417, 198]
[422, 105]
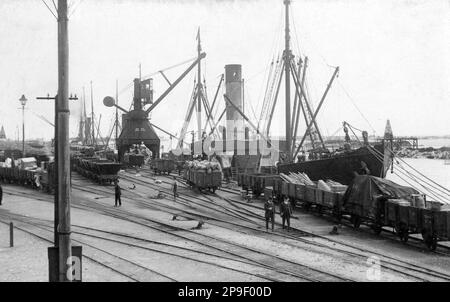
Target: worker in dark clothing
[364, 169]
[175, 189]
[269, 208]
[118, 193]
[286, 213]
[1, 194]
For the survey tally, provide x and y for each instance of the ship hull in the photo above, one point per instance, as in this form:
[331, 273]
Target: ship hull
[340, 168]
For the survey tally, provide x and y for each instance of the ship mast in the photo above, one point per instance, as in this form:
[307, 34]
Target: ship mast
[92, 117]
[287, 66]
[117, 113]
[199, 88]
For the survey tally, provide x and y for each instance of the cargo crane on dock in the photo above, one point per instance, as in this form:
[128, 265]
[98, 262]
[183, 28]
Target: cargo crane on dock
[136, 125]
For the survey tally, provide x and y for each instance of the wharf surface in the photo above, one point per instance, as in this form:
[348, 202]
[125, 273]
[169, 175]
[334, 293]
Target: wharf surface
[150, 239]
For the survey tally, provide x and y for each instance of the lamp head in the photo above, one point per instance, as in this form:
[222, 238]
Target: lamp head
[23, 100]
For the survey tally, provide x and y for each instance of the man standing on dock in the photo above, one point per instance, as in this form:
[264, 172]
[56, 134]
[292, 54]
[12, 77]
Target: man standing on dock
[175, 189]
[286, 212]
[269, 208]
[118, 193]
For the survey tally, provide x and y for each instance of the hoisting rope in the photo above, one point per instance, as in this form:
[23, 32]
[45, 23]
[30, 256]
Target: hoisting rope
[437, 191]
[420, 176]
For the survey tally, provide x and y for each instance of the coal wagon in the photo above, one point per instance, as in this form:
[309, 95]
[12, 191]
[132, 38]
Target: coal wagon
[203, 180]
[133, 160]
[100, 170]
[160, 166]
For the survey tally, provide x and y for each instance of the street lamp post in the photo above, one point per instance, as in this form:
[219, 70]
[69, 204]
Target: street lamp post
[23, 100]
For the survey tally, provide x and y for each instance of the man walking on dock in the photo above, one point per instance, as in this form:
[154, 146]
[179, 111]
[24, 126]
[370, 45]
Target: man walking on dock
[286, 212]
[269, 208]
[118, 193]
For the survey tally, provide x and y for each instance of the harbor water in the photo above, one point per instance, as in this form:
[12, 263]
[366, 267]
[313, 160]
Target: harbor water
[435, 169]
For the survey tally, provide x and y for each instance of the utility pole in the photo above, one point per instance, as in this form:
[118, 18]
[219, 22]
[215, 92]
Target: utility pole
[287, 66]
[64, 196]
[55, 170]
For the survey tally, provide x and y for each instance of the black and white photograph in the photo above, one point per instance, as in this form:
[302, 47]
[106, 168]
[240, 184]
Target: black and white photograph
[226, 147]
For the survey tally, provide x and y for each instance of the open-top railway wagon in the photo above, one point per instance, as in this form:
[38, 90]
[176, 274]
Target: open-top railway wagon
[102, 171]
[133, 160]
[17, 176]
[371, 200]
[41, 178]
[160, 165]
[257, 182]
[203, 180]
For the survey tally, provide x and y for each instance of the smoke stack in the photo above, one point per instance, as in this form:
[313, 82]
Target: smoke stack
[233, 87]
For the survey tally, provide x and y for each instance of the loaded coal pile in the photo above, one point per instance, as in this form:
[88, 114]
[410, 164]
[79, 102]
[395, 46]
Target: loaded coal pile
[207, 166]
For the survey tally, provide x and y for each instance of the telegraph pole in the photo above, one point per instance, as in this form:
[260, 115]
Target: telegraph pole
[63, 113]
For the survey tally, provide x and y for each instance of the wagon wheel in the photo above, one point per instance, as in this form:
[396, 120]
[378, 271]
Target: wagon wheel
[338, 215]
[307, 206]
[356, 221]
[319, 209]
[403, 232]
[377, 228]
[405, 237]
[431, 242]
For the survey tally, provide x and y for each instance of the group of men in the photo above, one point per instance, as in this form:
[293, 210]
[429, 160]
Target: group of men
[285, 213]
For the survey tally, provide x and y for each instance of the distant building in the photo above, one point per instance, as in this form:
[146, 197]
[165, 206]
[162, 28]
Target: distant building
[388, 131]
[2, 134]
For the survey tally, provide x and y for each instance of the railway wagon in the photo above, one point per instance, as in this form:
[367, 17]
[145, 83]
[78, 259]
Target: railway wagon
[374, 201]
[432, 224]
[47, 178]
[18, 176]
[202, 180]
[100, 170]
[160, 166]
[133, 160]
[9, 175]
[257, 182]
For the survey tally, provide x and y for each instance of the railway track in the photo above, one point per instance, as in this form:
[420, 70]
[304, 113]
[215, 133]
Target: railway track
[390, 263]
[242, 212]
[260, 258]
[124, 267]
[104, 235]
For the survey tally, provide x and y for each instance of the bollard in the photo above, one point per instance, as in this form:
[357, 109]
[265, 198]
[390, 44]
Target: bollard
[11, 234]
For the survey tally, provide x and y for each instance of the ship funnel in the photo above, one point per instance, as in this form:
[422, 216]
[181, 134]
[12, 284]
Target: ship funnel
[233, 86]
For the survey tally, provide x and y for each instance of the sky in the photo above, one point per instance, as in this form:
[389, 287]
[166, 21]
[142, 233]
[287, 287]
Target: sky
[393, 56]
